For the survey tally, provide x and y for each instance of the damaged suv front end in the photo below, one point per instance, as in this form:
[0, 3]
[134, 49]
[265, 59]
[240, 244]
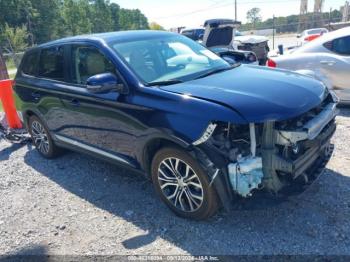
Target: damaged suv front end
[284, 144]
[280, 157]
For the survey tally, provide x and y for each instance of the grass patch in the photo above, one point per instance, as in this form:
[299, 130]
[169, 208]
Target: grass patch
[12, 76]
[10, 64]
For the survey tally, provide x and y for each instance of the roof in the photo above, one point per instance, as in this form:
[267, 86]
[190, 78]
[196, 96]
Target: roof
[217, 22]
[111, 37]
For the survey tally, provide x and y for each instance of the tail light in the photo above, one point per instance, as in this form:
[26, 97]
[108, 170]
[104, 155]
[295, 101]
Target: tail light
[271, 63]
[311, 37]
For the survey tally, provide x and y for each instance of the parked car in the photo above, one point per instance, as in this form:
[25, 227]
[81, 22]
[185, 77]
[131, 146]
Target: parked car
[328, 57]
[311, 34]
[195, 34]
[219, 36]
[228, 53]
[223, 33]
[159, 103]
[254, 43]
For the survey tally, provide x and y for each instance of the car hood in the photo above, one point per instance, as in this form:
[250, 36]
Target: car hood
[257, 93]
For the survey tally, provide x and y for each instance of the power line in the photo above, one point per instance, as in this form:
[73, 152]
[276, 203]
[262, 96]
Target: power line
[217, 6]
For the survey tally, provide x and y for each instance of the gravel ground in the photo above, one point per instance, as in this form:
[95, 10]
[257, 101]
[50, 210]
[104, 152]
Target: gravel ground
[78, 205]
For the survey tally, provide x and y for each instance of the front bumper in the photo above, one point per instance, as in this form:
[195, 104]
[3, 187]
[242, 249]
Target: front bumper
[313, 137]
[317, 148]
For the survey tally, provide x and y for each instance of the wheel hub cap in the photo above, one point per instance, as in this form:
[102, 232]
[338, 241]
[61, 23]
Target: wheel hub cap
[180, 184]
[40, 137]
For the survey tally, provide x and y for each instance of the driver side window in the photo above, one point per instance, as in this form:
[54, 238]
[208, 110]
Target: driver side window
[87, 62]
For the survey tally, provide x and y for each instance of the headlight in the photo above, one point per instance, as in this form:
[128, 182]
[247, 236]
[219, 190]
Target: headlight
[330, 89]
[334, 96]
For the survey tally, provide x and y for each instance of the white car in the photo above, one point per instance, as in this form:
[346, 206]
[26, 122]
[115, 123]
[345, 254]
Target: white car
[311, 34]
[328, 57]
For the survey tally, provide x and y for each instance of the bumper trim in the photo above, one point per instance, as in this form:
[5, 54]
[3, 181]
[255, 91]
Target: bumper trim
[311, 129]
[304, 162]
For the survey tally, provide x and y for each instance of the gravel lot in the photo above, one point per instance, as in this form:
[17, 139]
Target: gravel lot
[78, 205]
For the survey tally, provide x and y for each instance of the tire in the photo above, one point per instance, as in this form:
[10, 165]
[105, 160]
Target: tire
[188, 196]
[42, 139]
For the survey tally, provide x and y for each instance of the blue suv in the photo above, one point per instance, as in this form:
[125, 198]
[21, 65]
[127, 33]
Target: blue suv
[204, 131]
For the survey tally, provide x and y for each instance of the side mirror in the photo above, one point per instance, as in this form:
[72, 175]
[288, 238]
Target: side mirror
[201, 37]
[298, 35]
[104, 83]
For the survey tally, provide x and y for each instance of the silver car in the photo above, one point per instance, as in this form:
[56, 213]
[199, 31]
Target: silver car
[328, 57]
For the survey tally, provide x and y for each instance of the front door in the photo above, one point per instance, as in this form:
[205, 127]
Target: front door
[96, 122]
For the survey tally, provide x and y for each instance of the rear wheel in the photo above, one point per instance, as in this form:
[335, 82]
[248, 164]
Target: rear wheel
[183, 184]
[42, 139]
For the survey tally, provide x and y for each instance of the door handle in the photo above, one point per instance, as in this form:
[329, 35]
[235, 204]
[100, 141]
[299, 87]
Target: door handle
[325, 62]
[36, 95]
[74, 102]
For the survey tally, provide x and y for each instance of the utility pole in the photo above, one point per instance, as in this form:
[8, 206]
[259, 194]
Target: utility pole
[303, 15]
[346, 12]
[235, 10]
[273, 32]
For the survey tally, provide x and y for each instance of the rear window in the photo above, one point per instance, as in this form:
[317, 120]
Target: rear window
[30, 64]
[51, 64]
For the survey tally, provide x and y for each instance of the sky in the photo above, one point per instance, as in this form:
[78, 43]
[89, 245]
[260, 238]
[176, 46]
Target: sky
[193, 13]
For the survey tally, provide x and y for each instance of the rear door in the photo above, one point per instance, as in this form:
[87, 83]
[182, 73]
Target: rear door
[39, 83]
[336, 65]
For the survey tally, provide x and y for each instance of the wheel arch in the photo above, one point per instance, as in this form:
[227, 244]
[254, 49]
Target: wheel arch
[27, 114]
[152, 146]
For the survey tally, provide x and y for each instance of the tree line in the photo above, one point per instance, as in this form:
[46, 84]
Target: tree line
[289, 24]
[26, 23]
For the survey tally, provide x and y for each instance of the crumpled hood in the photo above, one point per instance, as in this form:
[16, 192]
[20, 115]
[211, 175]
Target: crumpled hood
[257, 93]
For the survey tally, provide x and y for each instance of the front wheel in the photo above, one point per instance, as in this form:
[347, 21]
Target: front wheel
[183, 184]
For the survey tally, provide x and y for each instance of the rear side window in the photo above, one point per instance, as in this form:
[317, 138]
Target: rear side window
[30, 64]
[51, 64]
[340, 46]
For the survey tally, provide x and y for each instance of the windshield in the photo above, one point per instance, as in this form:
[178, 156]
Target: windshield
[168, 58]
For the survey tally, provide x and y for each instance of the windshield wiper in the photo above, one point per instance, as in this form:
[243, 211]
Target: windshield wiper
[215, 71]
[165, 82]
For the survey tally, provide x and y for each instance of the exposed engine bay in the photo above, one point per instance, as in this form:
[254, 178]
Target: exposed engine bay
[274, 155]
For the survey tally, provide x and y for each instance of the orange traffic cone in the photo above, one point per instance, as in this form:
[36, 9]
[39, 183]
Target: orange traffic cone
[8, 103]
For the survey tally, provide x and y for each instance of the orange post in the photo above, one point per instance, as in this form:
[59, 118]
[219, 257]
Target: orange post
[8, 103]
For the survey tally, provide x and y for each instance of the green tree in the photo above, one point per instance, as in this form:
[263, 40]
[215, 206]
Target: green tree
[76, 17]
[47, 20]
[155, 26]
[47, 23]
[101, 17]
[115, 10]
[253, 16]
[132, 20]
[16, 41]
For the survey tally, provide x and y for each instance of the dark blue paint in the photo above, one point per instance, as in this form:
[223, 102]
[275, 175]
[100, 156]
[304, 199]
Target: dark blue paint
[125, 124]
[258, 93]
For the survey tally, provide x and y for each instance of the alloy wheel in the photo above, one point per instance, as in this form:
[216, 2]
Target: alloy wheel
[180, 184]
[40, 137]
